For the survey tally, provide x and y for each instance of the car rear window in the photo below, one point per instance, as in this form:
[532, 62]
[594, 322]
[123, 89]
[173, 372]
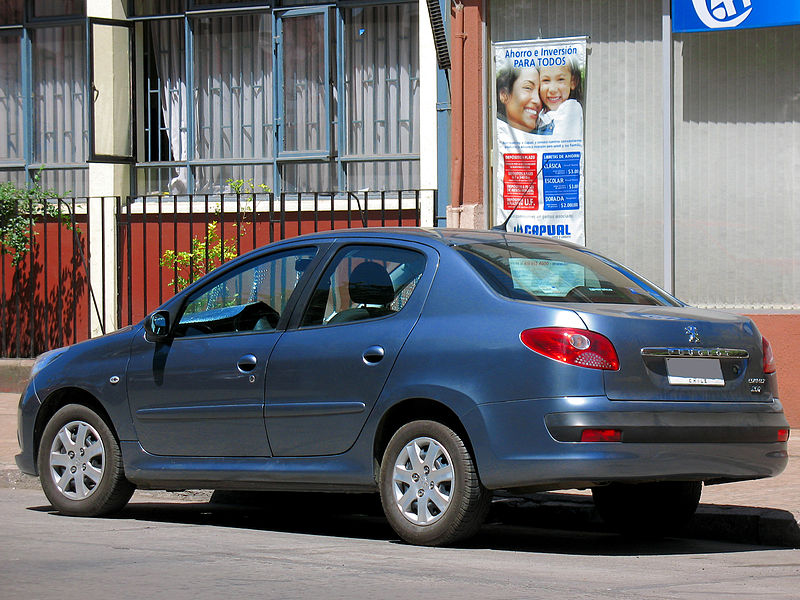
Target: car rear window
[530, 271]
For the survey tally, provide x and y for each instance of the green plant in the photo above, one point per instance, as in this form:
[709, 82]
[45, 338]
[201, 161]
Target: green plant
[209, 252]
[246, 186]
[190, 265]
[18, 208]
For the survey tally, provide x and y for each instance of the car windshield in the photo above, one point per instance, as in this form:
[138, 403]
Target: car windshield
[524, 270]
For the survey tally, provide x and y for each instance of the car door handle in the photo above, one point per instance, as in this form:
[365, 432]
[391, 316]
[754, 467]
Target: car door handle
[246, 363]
[373, 355]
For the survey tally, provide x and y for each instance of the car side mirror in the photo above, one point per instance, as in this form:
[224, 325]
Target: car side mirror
[156, 326]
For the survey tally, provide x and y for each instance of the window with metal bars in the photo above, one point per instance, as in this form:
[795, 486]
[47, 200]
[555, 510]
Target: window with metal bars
[43, 94]
[251, 99]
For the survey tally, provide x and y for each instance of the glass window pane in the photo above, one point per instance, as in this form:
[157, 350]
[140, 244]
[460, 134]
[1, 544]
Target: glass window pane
[166, 100]
[113, 114]
[311, 177]
[383, 175]
[253, 298]
[533, 271]
[364, 282]
[11, 122]
[233, 79]
[67, 182]
[63, 8]
[59, 97]
[247, 179]
[161, 181]
[305, 121]
[15, 176]
[11, 12]
[224, 3]
[382, 79]
[143, 8]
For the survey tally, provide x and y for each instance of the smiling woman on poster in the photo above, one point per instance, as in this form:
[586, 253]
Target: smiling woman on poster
[518, 100]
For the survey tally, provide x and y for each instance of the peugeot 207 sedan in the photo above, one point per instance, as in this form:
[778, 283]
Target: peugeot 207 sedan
[432, 366]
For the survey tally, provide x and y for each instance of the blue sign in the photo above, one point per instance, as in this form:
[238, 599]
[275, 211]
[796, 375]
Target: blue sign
[561, 175]
[716, 15]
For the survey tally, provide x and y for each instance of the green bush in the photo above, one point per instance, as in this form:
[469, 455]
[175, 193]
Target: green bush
[18, 208]
[191, 265]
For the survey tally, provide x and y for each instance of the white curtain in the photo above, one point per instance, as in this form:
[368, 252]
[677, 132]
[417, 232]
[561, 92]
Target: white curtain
[11, 121]
[382, 90]
[233, 94]
[170, 58]
[59, 105]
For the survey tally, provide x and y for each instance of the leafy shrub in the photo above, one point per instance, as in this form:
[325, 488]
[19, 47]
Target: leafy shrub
[19, 207]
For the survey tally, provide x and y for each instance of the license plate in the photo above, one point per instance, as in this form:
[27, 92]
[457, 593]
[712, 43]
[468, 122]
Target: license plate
[694, 371]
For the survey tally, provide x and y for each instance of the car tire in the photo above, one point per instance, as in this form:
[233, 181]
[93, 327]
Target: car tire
[80, 464]
[429, 485]
[648, 510]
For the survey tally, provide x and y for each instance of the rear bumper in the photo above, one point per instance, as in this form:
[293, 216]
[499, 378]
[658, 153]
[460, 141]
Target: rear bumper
[534, 444]
[674, 428]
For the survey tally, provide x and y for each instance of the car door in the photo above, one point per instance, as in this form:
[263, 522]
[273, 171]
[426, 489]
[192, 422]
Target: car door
[326, 374]
[201, 393]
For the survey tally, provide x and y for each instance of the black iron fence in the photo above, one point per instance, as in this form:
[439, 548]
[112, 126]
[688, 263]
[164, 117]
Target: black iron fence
[102, 263]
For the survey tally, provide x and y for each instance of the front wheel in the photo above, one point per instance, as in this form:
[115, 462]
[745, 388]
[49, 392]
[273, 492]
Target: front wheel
[430, 490]
[648, 510]
[80, 464]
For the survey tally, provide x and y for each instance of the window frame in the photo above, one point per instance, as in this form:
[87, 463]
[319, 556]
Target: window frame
[326, 152]
[94, 156]
[29, 165]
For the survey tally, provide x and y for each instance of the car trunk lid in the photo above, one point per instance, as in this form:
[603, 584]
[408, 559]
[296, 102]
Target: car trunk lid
[680, 354]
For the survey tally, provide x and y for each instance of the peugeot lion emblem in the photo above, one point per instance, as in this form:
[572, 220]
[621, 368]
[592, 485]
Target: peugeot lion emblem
[694, 335]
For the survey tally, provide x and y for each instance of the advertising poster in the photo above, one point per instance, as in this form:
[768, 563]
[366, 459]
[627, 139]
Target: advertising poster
[539, 110]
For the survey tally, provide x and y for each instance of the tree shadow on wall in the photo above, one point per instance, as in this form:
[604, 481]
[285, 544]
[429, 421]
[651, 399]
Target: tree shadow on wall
[45, 299]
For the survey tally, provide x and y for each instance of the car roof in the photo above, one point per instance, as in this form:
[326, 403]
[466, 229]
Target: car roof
[434, 236]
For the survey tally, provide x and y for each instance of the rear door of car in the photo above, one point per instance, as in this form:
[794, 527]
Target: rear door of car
[328, 369]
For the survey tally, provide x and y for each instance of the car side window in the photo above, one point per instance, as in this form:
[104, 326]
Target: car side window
[251, 298]
[364, 282]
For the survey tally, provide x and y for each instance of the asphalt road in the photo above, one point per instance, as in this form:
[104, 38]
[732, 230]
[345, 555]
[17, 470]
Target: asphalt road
[166, 546]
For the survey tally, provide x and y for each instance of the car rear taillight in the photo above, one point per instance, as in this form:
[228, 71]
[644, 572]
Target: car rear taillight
[769, 357]
[578, 347]
[601, 435]
[783, 435]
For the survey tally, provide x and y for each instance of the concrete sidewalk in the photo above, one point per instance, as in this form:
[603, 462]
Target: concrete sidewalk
[754, 512]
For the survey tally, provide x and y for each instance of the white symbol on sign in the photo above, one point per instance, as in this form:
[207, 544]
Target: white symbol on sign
[718, 14]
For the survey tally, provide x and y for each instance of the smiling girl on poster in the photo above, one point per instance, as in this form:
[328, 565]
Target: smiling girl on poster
[561, 94]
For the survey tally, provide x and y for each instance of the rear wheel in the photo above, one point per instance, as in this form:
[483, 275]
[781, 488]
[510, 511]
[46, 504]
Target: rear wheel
[648, 509]
[80, 464]
[429, 485]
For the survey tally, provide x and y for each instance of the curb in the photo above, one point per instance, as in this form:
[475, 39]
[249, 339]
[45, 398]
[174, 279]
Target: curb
[573, 512]
[14, 374]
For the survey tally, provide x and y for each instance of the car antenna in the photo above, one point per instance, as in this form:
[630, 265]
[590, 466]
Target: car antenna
[362, 213]
[504, 225]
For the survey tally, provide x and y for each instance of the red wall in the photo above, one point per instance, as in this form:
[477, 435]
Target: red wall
[44, 301]
[783, 333]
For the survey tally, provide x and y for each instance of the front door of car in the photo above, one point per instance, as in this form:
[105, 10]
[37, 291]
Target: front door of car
[326, 374]
[201, 393]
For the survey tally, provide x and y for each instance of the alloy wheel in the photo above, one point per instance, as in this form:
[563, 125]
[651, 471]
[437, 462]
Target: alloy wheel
[77, 460]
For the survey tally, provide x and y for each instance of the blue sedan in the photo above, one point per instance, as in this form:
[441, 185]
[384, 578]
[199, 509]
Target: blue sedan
[432, 366]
